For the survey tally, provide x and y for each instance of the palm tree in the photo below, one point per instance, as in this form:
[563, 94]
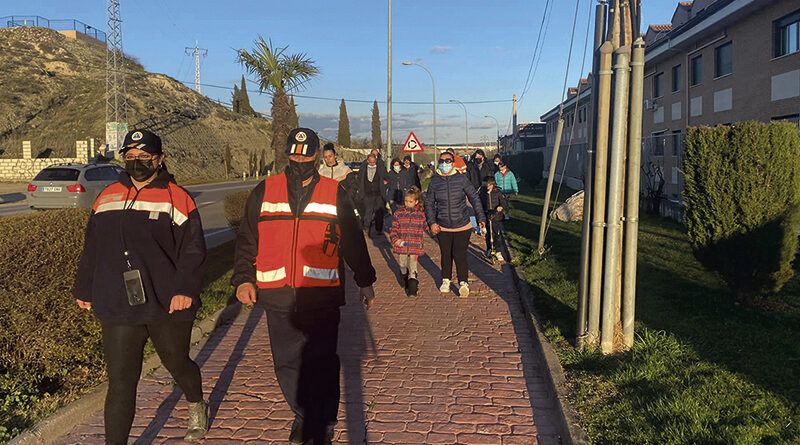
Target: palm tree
[277, 73]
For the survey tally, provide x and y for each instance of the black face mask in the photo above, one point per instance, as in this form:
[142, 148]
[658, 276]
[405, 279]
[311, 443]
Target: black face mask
[140, 170]
[300, 170]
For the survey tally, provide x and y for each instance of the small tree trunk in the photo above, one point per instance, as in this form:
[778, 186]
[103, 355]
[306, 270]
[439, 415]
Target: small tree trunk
[281, 123]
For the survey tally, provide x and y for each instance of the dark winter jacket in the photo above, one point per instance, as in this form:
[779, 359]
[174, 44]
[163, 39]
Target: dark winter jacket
[414, 169]
[446, 201]
[399, 184]
[491, 201]
[160, 228]
[479, 172]
[379, 183]
[352, 248]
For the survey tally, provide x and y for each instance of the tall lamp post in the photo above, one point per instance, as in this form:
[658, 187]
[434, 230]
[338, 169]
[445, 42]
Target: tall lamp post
[498, 130]
[466, 121]
[433, 87]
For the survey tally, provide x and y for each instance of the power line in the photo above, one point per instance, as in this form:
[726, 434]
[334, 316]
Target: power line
[528, 78]
[197, 52]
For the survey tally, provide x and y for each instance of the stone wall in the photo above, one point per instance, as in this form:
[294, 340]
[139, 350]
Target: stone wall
[24, 169]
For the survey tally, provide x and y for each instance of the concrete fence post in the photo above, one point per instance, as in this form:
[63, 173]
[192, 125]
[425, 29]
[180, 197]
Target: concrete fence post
[26, 150]
[82, 150]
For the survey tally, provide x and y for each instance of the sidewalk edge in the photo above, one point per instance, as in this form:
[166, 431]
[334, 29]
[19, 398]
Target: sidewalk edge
[58, 424]
[572, 433]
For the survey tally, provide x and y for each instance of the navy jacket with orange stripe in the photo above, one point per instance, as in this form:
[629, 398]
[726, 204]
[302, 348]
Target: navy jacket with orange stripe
[161, 229]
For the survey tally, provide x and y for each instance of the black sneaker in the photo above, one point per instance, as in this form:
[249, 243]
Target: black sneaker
[296, 436]
[412, 287]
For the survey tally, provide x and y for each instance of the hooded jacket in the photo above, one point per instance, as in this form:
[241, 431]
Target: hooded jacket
[159, 225]
[337, 172]
[352, 246]
[446, 201]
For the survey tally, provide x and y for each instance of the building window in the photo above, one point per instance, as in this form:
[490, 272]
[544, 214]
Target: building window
[658, 85]
[658, 144]
[787, 34]
[697, 70]
[723, 60]
[677, 81]
[677, 142]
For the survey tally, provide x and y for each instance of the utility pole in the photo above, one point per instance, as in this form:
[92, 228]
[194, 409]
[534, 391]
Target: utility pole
[116, 100]
[514, 130]
[389, 96]
[196, 52]
[497, 123]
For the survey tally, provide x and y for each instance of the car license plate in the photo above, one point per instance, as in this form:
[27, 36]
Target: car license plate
[51, 189]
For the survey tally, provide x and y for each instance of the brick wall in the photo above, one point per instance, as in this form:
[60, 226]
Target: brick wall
[25, 168]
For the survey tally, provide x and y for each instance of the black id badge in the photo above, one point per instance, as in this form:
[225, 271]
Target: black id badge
[134, 287]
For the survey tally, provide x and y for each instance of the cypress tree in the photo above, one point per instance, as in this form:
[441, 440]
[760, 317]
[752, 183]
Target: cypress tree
[244, 100]
[344, 126]
[228, 160]
[294, 118]
[236, 100]
[376, 127]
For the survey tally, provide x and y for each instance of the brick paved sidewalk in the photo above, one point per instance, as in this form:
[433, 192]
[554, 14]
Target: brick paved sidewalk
[437, 369]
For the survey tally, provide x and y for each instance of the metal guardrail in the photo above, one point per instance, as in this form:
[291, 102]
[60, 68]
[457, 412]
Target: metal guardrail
[15, 21]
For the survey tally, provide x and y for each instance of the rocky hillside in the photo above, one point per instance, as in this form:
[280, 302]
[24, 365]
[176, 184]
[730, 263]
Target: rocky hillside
[52, 92]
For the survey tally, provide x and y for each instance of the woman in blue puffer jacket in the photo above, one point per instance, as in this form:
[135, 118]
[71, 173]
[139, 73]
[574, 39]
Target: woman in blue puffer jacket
[448, 216]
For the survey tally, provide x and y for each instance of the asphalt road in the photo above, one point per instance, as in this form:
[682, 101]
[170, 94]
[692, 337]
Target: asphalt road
[209, 198]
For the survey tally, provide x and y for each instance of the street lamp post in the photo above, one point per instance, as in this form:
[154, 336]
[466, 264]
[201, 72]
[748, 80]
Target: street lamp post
[389, 94]
[466, 121]
[498, 131]
[433, 88]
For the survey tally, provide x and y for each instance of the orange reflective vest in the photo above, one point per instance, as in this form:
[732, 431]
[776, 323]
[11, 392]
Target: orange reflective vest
[298, 251]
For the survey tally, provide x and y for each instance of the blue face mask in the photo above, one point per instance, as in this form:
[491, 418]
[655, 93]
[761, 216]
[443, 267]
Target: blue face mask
[445, 168]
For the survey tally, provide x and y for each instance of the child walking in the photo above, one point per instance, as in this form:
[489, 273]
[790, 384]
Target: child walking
[495, 204]
[408, 228]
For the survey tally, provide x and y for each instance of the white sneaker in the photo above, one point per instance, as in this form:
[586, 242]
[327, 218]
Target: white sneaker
[463, 290]
[445, 287]
[499, 256]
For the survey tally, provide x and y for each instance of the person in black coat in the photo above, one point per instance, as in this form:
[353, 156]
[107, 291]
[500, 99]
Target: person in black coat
[448, 216]
[495, 204]
[141, 274]
[479, 169]
[372, 193]
[400, 181]
[414, 169]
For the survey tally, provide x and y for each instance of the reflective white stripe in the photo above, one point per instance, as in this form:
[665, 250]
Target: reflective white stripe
[276, 207]
[177, 216]
[315, 207]
[271, 275]
[320, 274]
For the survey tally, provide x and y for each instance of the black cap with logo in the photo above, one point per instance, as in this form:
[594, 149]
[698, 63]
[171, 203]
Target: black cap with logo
[143, 140]
[303, 142]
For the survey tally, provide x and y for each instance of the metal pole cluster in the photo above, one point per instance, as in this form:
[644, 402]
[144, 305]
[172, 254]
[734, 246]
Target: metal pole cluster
[607, 291]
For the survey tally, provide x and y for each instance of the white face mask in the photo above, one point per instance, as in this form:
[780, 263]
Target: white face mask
[397, 168]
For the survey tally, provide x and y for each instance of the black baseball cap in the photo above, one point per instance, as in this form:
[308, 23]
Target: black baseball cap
[143, 140]
[302, 141]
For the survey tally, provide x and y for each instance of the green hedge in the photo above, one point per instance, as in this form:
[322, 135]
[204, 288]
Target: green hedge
[742, 199]
[527, 166]
[47, 344]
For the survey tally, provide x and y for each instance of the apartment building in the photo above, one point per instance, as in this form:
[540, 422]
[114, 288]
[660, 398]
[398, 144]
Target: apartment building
[574, 136]
[716, 63]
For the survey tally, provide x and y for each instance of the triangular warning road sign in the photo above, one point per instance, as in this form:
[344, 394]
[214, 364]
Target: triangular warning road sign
[412, 144]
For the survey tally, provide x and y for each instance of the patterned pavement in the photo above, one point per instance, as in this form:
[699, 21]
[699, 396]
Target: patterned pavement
[437, 369]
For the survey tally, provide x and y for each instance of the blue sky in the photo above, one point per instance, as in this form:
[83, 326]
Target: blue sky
[477, 50]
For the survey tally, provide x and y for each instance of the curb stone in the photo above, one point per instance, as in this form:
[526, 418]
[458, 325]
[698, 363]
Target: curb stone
[51, 428]
[571, 431]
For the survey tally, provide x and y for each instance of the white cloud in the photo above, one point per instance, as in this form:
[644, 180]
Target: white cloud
[441, 49]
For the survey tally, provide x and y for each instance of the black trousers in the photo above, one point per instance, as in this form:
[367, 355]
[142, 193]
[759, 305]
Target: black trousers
[374, 210]
[123, 348]
[496, 234]
[307, 365]
[453, 247]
